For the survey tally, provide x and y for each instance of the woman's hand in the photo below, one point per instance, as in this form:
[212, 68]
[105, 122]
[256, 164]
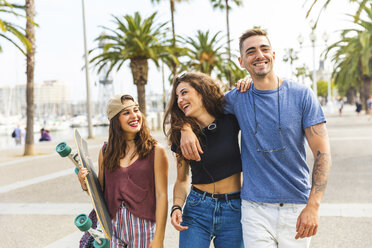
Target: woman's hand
[177, 219]
[243, 84]
[83, 172]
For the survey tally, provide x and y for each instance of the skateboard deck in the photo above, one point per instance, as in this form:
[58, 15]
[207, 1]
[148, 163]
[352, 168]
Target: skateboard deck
[94, 187]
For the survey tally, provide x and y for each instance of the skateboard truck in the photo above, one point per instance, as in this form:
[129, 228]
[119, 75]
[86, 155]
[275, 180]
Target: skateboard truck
[84, 223]
[65, 151]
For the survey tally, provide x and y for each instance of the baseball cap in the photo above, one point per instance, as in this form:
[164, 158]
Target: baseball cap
[114, 106]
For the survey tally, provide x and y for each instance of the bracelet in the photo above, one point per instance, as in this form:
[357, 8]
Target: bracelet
[174, 208]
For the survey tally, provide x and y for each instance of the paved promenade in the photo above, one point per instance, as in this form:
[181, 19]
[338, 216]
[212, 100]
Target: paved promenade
[40, 195]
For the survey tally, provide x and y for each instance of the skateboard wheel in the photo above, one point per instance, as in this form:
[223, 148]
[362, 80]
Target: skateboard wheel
[83, 222]
[63, 149]
[76, 170]
[105, 244]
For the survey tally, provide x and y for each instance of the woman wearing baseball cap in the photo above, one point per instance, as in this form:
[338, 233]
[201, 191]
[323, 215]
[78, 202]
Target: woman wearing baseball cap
[133, 169]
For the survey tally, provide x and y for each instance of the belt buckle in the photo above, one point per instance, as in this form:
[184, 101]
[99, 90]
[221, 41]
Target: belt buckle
[213, 196]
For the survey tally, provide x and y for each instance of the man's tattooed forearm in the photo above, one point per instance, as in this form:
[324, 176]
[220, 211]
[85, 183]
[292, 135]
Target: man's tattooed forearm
[320, 171]
[318, 130]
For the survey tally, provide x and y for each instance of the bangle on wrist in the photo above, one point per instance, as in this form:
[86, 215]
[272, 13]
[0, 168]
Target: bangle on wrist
[174, 208]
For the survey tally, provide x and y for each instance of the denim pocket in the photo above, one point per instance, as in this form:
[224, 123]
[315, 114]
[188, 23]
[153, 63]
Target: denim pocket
[252, 204]
[193, 209]
[235, 205]
[193, 200]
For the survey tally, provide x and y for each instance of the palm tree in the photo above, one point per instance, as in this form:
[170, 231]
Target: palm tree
[12, 32]
[303, 72]
[173, 65]
[204, 53]
[353, 57]
[346, 73]
[30, 67]
[231, 70]
[137, 40]
[362, 4]
[171, 57]
[224, 4]
[290, 56]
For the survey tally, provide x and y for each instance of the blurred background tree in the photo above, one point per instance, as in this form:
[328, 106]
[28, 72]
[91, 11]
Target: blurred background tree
[135, 39]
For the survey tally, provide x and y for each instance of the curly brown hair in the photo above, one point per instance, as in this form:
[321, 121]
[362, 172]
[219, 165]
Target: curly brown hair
[116, 144]
[212, 98]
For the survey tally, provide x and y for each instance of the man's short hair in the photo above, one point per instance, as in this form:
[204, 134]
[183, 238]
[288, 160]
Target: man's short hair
[250, 33]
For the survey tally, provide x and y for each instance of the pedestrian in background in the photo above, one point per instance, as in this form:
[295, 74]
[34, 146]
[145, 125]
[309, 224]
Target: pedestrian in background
[369, 107]
[17, 135]
[340, 105]
[358, 106]
[44, 135]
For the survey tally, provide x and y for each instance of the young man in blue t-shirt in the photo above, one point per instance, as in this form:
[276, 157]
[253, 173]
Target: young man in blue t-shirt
[280, 207]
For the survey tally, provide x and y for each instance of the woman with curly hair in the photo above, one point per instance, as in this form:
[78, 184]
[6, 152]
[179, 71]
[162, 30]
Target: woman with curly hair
[211, 210]
[133, 170]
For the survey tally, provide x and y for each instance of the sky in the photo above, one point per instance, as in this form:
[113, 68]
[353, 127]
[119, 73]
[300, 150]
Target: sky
[60, 46]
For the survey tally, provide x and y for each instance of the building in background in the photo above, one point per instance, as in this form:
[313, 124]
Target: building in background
[54, 106]
[51, 98]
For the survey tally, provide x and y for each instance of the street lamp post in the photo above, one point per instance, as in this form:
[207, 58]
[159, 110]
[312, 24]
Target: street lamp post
[325, 37]
[300, 40]
[313, 40]
[89, 109]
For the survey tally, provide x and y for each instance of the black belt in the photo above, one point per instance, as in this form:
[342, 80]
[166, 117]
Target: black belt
[218, 196]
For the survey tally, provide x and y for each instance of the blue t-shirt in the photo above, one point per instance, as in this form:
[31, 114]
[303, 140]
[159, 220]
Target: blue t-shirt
[274, 161]
[17, 132]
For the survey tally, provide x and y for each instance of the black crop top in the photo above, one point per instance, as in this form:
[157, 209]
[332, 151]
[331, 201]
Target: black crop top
[221, 157]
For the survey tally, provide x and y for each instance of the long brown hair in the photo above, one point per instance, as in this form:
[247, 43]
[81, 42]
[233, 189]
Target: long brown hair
[116, 145]
[212, 99]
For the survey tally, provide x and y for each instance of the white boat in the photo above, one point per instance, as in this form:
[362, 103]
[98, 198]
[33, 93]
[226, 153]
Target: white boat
[79, 121]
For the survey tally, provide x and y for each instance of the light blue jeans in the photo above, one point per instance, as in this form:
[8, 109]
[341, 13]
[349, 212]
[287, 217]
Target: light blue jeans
[211, 219]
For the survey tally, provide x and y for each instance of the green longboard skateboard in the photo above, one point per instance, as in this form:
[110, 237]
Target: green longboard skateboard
[82, 221]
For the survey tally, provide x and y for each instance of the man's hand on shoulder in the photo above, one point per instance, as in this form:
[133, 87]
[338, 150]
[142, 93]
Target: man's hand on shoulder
[189, 144]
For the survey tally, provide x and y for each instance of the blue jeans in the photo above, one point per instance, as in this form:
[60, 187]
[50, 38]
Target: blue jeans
[209, 218]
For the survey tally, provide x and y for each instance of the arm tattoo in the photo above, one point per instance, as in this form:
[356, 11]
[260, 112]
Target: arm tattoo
[318, 130]
[320, 171]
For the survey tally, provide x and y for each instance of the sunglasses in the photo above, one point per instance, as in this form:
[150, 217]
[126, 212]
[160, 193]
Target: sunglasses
[180, 77]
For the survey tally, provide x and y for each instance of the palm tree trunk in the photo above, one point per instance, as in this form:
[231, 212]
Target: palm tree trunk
[172, 18]
[350, 95]
[228, 40]
[139, 67]
[174, 65]
[141, 92]
[30, 60]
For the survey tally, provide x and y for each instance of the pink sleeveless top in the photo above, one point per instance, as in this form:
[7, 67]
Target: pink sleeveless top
[135, 186]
